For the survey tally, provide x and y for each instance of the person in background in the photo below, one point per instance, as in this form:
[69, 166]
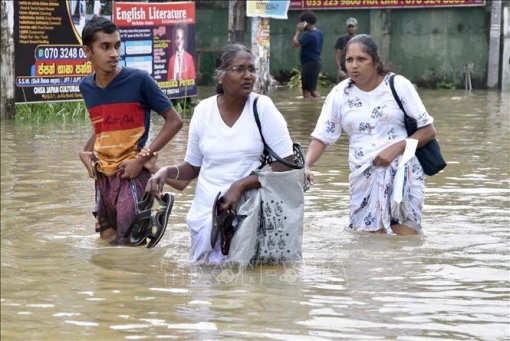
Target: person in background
[78, 9]
[96, 10]
[224, 147]
[311, 43]
[352, 28]
[119, 102]
[181, 65]
[364, 107]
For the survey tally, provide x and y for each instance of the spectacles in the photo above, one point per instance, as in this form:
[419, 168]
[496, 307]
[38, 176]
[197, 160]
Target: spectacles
[241, 70]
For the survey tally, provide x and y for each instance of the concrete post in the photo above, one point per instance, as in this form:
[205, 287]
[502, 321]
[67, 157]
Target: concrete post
[494, 45]
[236, 21]
[7, 80]
[380, 29]
[505, 72]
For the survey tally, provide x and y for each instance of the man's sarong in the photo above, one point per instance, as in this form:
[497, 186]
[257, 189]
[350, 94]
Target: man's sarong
[115, 201]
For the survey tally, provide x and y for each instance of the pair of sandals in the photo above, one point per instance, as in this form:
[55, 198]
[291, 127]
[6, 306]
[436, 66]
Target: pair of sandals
[148, 224]
[222, 221]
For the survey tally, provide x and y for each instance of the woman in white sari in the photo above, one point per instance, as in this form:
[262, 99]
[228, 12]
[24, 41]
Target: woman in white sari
[224, 148]
[363, 106]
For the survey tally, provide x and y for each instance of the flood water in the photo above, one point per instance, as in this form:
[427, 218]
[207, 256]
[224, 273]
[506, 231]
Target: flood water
[59, 282]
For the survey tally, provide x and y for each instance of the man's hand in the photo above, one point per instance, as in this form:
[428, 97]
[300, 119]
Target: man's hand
[88, 159]
[131, 168]
[151, 164]
[300, 26]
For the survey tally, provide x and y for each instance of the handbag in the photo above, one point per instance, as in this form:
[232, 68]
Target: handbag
[429, 155]
[266, 158]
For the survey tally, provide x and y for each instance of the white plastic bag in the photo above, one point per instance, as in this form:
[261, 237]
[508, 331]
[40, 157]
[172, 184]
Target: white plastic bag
[402, 178]
[270, 230]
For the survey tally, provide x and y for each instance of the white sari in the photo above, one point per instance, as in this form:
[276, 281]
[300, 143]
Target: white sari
[373, 122]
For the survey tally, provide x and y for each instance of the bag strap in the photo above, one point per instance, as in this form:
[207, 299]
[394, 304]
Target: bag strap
[266, 147]
[395, 95]
[409, 121]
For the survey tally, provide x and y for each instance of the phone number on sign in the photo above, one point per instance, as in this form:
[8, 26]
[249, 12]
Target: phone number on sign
[53, 52]
[383, 3]
[323, 3]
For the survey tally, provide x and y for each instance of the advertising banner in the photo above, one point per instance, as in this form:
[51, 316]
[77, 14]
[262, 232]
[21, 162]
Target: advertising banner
[160, 38]
[276, 9]
[50, 63]
[358, 4]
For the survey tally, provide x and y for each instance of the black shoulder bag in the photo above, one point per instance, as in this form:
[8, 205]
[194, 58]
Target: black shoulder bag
[429, 155]
[299, 158]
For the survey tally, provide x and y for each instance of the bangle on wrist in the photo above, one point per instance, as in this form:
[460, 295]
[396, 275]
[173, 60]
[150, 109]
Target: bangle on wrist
[178, 172]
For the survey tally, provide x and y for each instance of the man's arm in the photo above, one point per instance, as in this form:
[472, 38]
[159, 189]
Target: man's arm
[87, 154]
[299, 29]
[338, 58]
[89, 145]
[295, 42]
[339, 47]
[173, 124]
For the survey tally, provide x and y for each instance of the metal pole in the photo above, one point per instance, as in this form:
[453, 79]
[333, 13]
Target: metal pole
[494, 45]
[7, 78]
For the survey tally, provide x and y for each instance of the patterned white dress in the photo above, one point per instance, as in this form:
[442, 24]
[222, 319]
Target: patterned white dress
[373, 122]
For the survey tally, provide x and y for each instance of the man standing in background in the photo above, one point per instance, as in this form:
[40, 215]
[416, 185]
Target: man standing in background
[352, 28]
[311, 48]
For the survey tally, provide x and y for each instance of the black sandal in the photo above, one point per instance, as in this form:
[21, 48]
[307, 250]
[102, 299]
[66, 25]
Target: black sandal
[227, 231]
[160, 219]
[215, 232]
[146, 203]
[137, 231]
[222, 225]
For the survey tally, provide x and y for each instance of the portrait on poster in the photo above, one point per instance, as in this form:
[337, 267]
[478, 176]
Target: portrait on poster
[181, 64]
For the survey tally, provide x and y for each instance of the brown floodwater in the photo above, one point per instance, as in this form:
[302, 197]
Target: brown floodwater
[59, 282]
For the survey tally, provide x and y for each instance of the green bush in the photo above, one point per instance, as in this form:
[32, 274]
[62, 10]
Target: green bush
[446, 85]
[295, 81]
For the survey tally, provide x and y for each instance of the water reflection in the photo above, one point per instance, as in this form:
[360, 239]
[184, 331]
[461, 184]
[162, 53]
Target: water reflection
[60, 282]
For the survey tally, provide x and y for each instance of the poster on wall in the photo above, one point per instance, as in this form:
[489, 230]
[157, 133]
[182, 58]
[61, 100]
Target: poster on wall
[160, 39]
[50, 63]
[276, 9]
[260, 47]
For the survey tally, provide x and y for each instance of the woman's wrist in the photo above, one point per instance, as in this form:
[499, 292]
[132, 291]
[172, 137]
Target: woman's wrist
[177, 172]
[172, 172]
